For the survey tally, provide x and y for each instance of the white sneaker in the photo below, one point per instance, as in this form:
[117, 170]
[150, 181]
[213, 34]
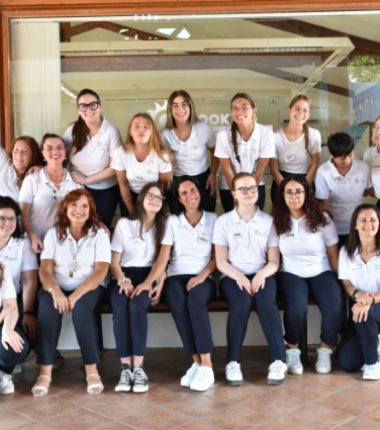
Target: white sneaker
[125, 382]
[293, 361]
[190, 374]
[6, 383]
[277, 372]
[203, 379]
[17, 369]
[323, 363]
[371, 371]
[233, 373]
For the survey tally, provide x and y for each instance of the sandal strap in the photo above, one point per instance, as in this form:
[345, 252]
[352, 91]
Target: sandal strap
[93, 374]
[43, 376]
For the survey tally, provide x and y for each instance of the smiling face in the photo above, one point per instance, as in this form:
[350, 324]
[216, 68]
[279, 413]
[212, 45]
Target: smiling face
[78, 212]
[376, 134]
[7, 227]
[299, 113]
[140, 130]
[151, 203]
[367, 223]
[250, 198]
[188, 195]
[180, 110]
[21, 156]
[89, 115]
[294, 195]
[54, 151]
[242, 111]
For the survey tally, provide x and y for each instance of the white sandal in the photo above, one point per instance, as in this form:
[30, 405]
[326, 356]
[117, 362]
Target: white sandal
[92, 387]
[44, 389]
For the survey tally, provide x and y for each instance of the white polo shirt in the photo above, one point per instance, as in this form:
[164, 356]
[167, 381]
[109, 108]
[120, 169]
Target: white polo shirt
[247, 242]
[191, 156]
[69, 272]
[8, 177]
[261, 144]
[191, 246]
[140, 173]
[19, 257]
[364, 276]
[135, 251]
[372, 158]
[304, 253]
[292, 156]
[44, 197]
[344, 193]
[95, 156]
[7, 290]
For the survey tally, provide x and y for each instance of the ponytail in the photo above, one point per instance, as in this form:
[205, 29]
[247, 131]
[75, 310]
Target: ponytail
[234, 129]
[305, 129]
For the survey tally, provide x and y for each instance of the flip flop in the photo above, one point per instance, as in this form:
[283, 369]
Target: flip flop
[91, 388]
[41, 388]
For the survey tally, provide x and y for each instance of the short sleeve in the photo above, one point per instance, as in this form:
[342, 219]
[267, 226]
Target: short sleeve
[268, 144]
[273, 239]
[210, 136]
[28, 258]
[164, 166]
[369, 180]
[117, 237]
[3, 157]
[7, 290]
[169, 233]
[322, 190]
[367, 156]
[26, 192]
[102, 247]
[220, 233]
[222, 147]
[343, 267]
[330, 234]
[50, 243]
[115, 140]
[315, 141]
[119, 160]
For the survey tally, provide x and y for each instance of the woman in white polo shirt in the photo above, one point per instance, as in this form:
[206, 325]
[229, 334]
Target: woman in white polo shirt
[143, 158]
[24, 154]
[41, 192]
[13, 345]
[190, 139]
[74, 263]
[135, 245]
[188, 289]
[244, 146]
[298, 146]
[308, 243]
[246, 248]
[341, 182]
[372, 158]
[91, 142]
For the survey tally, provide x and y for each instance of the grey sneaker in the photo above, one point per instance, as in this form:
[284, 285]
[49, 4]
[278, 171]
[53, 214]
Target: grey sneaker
[126, 378]
[140, 380]
[6, 383]
[323, 364]
[293, 361]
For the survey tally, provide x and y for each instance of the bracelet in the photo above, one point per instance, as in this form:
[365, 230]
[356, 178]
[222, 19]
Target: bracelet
[354, 294]
[50, 290]
[120, 281]
[85, 290]
[129, 198]
[29, 313]
[212, 173]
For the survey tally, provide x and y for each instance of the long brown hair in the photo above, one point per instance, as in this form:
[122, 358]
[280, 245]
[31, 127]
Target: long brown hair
[234, 126]
[170, 121]
[156, 143]
[62, 222]
[160, 219]
[36, 159]
[80, 129]
[1, 274]
[305, 127]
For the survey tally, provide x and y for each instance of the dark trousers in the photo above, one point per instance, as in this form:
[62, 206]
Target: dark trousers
[342, 239]
[228, 201]
[83, 314]
[124, 212]
[20, 305]
[190, 313]
[130, 316]
[240, 309]
[324, 289]
[9, 358]
[106, 202]
[360, 340]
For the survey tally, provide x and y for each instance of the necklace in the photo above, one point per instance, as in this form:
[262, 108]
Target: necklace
[49, 179]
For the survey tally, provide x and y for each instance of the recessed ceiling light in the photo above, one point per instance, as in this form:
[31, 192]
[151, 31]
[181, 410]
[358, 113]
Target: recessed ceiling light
[167, 31]
[183, 34]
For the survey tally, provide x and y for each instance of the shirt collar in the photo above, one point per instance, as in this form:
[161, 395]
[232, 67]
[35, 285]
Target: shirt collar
[185, 222]
[236, 219]
[353, 170]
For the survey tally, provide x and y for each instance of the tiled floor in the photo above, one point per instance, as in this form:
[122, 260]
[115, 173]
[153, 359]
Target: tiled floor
[310, 401]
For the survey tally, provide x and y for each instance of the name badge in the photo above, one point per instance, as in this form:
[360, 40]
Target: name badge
[340, 180]
[11, 258]
[59, 195]
[75, 273]
[135, 239]
[356, 266]
[360, 180]
[377, 266]
[287, 236]
[289, 158]
[260, 233]
[235, 236]
[136, 176]
[375, 167]
[202, 240]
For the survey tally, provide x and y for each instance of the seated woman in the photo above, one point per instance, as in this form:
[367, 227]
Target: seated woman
[308, 243]
[74, 262]
[359, 263]
[246, 248]
[135, 246]
[13, 346]
[188, 289]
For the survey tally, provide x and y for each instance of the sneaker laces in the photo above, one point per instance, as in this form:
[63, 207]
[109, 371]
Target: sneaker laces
[139, 376]
[277, 368]
[202, 373]
[232, 368]
[293, 358]
[126, 376]
[324, 356]
[190, 372]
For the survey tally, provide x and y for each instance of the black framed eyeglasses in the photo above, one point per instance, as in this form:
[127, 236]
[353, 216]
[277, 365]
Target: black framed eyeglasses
[290, 193]
[84, 106]
[244, 190]
[151, 196]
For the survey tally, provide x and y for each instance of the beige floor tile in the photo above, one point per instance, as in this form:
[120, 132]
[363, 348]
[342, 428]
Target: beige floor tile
[303, 389]
[197, 425]
[359, 424]
[112, 426]
[156, 419]
[373, 415]
[45, 407]
[196, 405]
[161, 394]
[236, 418]
[121, 406]
[10, 421]
[280, 425]
[348, 403]
[232, 395]
[80, 419]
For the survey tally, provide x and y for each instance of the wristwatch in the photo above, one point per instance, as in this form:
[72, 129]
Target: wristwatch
[50, 290]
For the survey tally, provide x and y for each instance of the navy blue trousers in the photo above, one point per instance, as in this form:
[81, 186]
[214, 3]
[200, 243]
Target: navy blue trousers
[9, 358]
[240, 302]
[190, 312]
[130, 316]
[106, 203]
[324, 289]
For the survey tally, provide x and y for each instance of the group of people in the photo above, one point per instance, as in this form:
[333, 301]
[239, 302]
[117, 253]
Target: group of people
[56, 209]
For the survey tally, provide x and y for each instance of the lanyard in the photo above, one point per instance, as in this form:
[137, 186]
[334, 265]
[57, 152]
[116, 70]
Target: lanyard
[75, 253]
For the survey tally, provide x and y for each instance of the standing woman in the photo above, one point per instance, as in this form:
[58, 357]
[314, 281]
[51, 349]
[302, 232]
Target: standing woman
[298, 146]
[41, 192]
[24, 154]
[359, 262]
[135, 246]
[91, 142]
[246, 248]
[74, 263]
[189, 288]
[308, 243]
[244, 146]
[143, 158]
[189, 139]
[13, 345]
[372, 158]
[341, 182]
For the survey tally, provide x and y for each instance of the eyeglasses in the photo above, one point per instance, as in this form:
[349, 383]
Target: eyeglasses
[244, 190]
[183, 105]
[151, 196]
[9, 218]
[244, 108]
[83, 106]
[290, 193]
